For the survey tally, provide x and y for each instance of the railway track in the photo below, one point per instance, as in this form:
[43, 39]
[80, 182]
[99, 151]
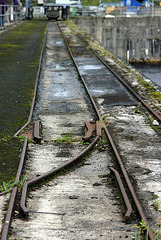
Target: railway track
[75, 197]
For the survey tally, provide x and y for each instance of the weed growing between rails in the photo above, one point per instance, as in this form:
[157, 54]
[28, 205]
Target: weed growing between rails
[68, 138]
[143, 232]
[22, 180]
[5, 186]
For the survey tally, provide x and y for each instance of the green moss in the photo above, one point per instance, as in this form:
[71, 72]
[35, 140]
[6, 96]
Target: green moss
[67, 139]
[144, 83]
[156, 94]
[10, 149]
[20, 48]
[8, 45]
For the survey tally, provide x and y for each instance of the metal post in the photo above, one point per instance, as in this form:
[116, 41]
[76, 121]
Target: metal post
[26, 8]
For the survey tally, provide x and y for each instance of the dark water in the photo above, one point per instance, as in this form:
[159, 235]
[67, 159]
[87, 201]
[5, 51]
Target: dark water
[151, 71]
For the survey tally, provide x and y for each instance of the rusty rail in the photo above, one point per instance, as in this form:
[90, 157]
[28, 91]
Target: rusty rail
[124, 195]
[49, 173]
[13, 194]
[120, 162]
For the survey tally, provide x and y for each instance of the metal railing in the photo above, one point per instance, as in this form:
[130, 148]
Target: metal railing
[10, 14]
[13, 13]
[114, 11]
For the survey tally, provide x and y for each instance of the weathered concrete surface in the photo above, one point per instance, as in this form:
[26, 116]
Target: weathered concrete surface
[137, 142]
[3, 207]
[79, 205]
[57, 97]
[131, 38]
[139, 146]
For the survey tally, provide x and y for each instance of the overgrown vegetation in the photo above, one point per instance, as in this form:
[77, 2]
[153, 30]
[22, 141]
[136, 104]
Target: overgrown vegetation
[22, 180]
[155, 202]
[143, 232]
[65, 139]
[10, 184]
[6, 185]
[70, 139]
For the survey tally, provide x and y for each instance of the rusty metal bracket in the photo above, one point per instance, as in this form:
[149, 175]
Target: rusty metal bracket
[90, 128]
[37, 129]
[124, 195]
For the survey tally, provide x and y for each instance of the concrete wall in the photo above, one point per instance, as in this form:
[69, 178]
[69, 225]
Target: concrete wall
[134, 38]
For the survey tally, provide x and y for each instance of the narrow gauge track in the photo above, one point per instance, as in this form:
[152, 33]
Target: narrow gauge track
[44, 103]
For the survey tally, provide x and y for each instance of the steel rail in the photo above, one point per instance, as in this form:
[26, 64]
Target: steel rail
[123, 193]
[13, 194]
[131, 189]
[35, 88]
[120, 79]
[127, 180]
[49, 173]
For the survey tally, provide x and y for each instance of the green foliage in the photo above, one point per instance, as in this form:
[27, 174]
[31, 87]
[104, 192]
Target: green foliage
[90, 2]
[22, 139]
[143, 230]
[66, 139]
[82, 142]
[157, 236]
[156, 204]
[137, 235]
[95, 2]
[143, 82]
[156, 94]
[5, 138]
[22, 180]
[5, 186]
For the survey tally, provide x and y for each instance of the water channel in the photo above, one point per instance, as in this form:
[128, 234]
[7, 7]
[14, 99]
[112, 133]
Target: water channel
[150, 71]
